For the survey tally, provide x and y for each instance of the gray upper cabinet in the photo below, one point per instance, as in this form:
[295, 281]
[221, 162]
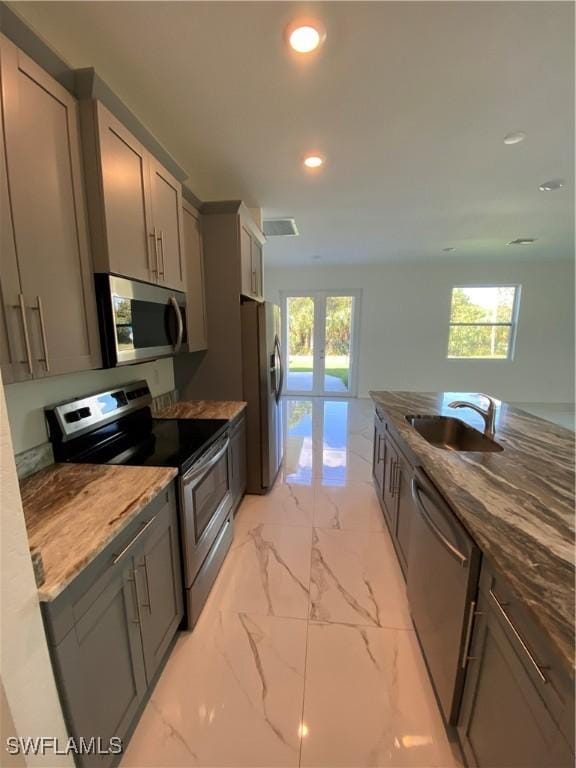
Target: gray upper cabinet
[251, 242]
[134, 203]
[167, 217]
[196, 299]
[50, 325]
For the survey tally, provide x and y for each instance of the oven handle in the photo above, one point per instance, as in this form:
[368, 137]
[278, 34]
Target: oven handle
[176, 307]
[197, 471]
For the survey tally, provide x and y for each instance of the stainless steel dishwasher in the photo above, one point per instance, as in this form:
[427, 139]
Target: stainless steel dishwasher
[443, 570]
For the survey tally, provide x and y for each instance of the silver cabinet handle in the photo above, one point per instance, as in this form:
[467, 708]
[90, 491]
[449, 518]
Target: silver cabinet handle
[162, 272]
[149, 603]
[519, 637]
[133, 541]
[396, 479]
[43, 332]
[179, 321]
[433, 528]
[468, 640]
[155, 266]
[132, 580]
[22, 306]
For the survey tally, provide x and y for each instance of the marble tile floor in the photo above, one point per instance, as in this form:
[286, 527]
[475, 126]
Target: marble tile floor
[305, 654]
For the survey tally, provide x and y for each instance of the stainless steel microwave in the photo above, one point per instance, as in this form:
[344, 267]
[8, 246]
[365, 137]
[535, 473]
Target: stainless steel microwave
[139, 321]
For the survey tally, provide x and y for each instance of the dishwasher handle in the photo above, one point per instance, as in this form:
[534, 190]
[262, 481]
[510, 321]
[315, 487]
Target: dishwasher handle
[421, 486]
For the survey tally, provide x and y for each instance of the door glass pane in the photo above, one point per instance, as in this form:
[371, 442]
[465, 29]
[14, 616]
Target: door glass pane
[300, 339]
[338, 343]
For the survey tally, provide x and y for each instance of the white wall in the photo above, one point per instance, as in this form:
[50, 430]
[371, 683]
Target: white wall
[27, 399]
[25, 668]
[404, 326]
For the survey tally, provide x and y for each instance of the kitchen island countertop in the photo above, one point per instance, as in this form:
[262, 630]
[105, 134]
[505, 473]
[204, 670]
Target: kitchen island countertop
[517, 504]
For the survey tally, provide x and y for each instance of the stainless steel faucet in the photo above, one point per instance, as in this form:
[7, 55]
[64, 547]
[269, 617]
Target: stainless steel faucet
[489, 415]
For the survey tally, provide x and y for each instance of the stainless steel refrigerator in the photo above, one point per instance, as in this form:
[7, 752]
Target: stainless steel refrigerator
[263, 379]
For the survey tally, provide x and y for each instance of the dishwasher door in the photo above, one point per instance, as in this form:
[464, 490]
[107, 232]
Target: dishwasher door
[443, 570]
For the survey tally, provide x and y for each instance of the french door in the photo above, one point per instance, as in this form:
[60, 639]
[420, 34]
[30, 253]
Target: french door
[319, 335]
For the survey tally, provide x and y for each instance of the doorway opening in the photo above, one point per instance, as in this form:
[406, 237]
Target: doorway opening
[320, 342]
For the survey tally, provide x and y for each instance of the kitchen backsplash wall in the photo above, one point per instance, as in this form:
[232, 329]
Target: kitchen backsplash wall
[26, 402]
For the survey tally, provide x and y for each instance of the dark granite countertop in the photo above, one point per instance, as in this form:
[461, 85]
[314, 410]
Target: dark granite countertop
[518, 504]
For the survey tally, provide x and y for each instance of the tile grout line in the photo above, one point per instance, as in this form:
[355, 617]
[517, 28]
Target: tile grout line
[302, 735]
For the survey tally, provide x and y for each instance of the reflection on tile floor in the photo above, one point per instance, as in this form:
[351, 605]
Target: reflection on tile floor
[305, 652]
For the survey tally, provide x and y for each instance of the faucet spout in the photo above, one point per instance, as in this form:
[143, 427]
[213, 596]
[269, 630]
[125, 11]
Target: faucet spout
[488, 414]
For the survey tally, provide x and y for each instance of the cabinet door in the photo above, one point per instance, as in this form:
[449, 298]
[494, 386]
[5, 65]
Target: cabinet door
[14, 360]
[159, 587]
[195, 300]
[238, 462]
[503, 721]
[48, 216]
[390, 485]
[257, 268]
[99, 665]
[132, 250]
[404, 511]
[378, 457]
[247, 275]
[167, 217]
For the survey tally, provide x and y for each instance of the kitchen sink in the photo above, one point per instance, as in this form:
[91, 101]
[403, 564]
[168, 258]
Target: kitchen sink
[452, 434]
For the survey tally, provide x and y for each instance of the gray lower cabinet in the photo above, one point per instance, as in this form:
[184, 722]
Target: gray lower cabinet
[237, 460]
[110, 630]
[404, 510]
[505, 719]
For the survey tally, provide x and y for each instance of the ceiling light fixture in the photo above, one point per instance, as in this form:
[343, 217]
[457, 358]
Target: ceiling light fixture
[515, 137]
[305, 35]
[522, 241]
[449, 249]
[550, 186]
[313, 161]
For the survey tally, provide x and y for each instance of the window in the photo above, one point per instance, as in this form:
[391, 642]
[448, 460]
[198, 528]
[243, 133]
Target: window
[483, 321]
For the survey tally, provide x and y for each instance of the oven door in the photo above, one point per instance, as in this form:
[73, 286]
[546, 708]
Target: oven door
[206, 501]
[139, 321]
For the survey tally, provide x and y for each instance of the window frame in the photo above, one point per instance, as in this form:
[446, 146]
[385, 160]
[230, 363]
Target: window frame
[513, 324]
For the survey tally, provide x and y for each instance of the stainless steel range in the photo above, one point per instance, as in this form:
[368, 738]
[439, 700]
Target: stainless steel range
[116, 427]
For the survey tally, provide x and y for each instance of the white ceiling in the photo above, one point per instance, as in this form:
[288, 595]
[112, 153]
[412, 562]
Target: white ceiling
[409, 102]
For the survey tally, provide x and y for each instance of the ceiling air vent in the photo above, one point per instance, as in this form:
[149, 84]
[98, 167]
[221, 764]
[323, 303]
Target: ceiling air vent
[280, 228]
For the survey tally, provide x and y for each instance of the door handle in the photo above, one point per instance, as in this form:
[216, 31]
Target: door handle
[162, 248]
[43, 332]
[180, 323]
[22, 306]
[518, 636]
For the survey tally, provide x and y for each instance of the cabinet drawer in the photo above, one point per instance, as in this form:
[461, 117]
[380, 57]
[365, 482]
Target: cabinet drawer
[547, 671]
[61, 614]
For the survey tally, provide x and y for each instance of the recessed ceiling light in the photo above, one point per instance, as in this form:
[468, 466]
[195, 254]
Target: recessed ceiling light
[550, 186]
[448, 249]
[316, 257]
[313, 161]
[305, 35]
[522, 241]
[514, 138]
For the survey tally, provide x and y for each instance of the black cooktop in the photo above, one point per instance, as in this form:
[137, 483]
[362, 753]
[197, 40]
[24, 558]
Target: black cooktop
[145, 442]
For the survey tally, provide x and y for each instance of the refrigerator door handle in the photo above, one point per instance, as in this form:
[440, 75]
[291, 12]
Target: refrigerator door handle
[280, 380]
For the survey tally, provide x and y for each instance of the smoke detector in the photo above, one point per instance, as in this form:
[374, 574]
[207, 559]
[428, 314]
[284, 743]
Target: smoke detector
[280, 227]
